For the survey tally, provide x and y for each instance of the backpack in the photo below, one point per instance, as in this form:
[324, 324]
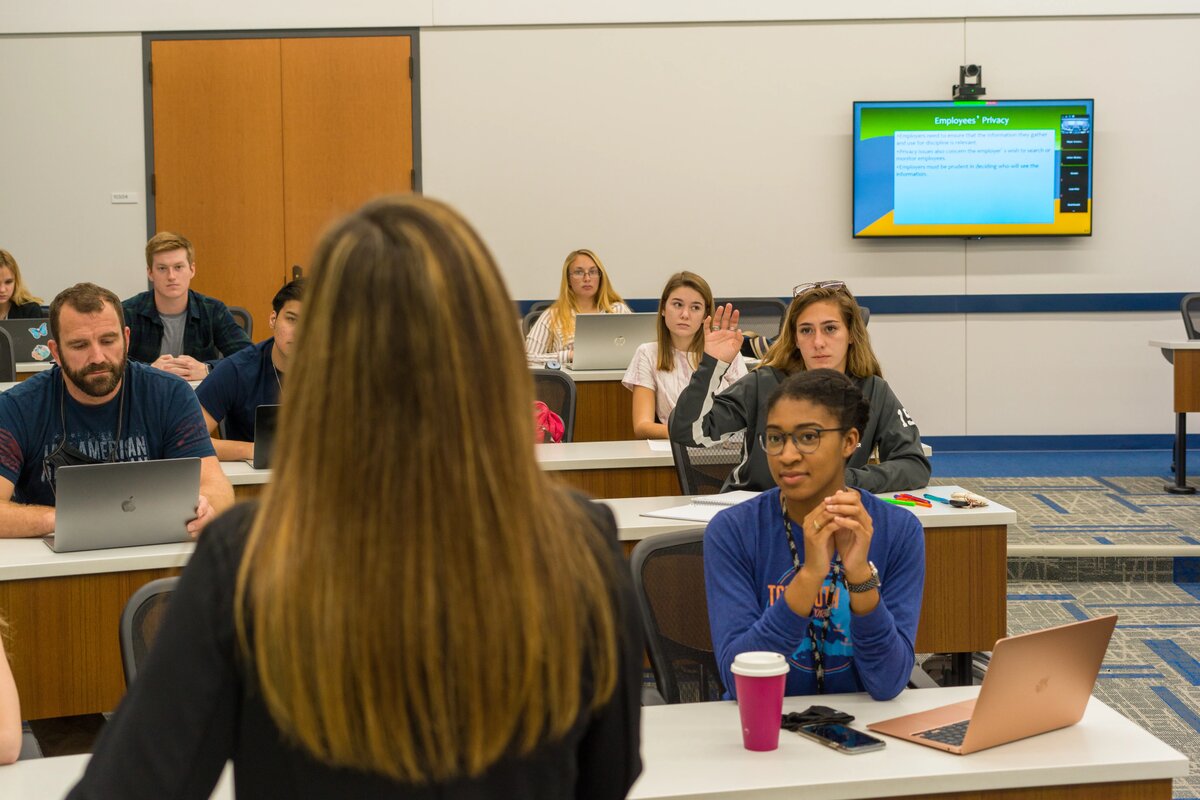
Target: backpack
[549, 425]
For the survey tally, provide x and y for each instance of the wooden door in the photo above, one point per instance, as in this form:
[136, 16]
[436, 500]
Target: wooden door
[347, 130]
[259, 144]
[218, 164]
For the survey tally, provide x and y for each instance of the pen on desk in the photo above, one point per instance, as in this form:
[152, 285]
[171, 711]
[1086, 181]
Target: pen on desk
[914, 499]
[895, 502]
[938, 499]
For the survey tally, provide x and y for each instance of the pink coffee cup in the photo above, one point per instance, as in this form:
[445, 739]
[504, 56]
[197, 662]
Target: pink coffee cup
[759, 679]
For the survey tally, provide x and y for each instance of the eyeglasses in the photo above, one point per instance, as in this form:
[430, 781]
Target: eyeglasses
[801, 288]
[806, 440]
[594, 272]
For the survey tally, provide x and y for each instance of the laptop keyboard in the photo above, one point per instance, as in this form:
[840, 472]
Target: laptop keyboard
[947, 734]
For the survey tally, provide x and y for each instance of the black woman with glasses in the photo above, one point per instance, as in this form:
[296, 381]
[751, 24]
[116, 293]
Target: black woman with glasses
[829, 576]
[585, 289]
[823, 329]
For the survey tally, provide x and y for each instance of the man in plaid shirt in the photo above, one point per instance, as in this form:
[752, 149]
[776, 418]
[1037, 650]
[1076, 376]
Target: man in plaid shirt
[173, 328]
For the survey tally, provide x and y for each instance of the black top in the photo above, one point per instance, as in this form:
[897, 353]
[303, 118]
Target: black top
[30, 310]
[194, 705]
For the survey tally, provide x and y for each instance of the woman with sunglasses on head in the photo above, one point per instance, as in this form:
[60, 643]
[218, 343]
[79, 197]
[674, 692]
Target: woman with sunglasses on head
[829, 576]
[425, 614]
[823, 328]
[661, 369]
[585, 289]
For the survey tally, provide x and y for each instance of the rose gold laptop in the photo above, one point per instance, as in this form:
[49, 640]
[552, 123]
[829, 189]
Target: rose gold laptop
[1036, 682]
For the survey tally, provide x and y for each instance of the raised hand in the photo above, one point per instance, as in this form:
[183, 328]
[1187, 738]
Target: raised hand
[722, 336]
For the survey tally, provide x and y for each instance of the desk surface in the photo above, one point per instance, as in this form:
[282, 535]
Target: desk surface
[1176, 344]
[695, 750]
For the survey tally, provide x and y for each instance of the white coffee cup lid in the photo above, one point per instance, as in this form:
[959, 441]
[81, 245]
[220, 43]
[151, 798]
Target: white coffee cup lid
[759, 664]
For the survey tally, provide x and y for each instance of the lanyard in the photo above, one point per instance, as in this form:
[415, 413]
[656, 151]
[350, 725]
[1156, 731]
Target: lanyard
[816, 640]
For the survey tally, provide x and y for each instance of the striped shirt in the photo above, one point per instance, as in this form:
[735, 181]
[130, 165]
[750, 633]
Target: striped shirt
[546, 343]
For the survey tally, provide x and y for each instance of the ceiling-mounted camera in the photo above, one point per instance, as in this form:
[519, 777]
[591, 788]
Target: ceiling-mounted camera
[970, 83]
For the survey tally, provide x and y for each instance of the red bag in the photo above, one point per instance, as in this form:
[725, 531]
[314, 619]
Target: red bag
[550, 426]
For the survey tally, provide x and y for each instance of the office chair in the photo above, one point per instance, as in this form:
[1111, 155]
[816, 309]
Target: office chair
[529, 320]
[760, 316]
[243, 318]
[29, 745]
[8, 359]
[703, 470]
[557, 391]
[140, 620]
[866, 315]
[668, 578]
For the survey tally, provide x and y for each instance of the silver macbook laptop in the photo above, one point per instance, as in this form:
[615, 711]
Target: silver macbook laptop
[607, 341]
[29, 338]
[124, 504]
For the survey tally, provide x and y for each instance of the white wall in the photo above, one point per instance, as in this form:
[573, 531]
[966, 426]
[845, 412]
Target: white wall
[723, 148]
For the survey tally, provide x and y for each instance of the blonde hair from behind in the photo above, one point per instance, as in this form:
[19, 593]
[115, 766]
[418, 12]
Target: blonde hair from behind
[165, 241]
[21, 294]
[666, 350]
[785, 356]
[563, 310]
[423, 599]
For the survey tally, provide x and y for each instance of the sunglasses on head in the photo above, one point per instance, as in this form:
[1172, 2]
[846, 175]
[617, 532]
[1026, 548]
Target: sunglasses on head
[801, 288]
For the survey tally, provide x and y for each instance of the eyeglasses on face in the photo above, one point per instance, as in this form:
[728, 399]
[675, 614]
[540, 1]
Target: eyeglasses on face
[801, 288]
[579, 272]
[805, 440]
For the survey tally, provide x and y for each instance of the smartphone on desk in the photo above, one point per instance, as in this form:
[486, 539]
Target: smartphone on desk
[842, 738]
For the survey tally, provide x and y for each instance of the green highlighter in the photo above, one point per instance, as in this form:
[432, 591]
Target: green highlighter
[899, 502]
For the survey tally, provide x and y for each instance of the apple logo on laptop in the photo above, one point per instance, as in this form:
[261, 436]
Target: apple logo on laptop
[1041, 685]
[128, 505]
[619, 341]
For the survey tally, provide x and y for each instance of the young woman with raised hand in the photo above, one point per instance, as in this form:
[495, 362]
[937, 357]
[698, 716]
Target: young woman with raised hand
[413, 609]
[15, 300]
[585, 289]
[829, 576]
[661, 369]
[823, 328]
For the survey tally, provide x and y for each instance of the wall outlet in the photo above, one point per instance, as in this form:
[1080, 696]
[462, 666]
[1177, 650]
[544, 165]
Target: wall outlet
[126, 197]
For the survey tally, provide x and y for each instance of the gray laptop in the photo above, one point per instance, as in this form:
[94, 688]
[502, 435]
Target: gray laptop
[266, 419]
[607, 341]
[29, 338]
[124, 504]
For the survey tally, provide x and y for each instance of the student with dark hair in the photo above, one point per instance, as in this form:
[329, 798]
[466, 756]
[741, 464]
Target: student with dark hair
[95, 406]
[251, 378]
[823, 328]
[827, 575]
[171, 326]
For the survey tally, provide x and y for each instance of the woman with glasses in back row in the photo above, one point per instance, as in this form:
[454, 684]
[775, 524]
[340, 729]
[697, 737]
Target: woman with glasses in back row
[823, 328]
[585, 289]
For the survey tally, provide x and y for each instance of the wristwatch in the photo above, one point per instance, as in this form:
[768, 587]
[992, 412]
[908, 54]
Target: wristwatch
[867, 585]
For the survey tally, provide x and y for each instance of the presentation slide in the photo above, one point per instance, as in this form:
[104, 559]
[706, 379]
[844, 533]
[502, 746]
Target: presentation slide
[972, 168]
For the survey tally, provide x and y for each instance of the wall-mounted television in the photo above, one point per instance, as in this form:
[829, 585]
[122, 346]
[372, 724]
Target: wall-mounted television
[973, 168]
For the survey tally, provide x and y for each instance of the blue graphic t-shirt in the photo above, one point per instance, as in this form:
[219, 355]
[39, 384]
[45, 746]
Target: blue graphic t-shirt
[161, 419]
[748, 566]
[237, 386]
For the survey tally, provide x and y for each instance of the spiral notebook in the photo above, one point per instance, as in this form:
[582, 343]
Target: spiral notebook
[705, 507]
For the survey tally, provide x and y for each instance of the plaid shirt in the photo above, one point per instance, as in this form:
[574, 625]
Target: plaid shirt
[209, 334]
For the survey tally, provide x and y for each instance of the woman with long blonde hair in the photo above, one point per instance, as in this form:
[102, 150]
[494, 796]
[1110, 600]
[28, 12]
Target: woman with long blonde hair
[414, 609]
[584, 289]
[660, 370]
[16, 301]
[823, 329]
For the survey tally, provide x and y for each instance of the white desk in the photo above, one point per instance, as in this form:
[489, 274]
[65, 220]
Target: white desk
[1185, 357]
[695, 751]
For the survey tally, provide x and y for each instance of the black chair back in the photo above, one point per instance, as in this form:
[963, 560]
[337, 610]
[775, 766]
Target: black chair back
[759, 316]
[529, 320]
[243, 318]
[703, 470]
[1190, 308]
[557, 391]
[668, 578]
[866, 315]
[8, 359]
[140, 621]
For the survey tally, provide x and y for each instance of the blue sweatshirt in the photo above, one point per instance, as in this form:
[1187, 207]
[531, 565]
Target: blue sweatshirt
[747, 565]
